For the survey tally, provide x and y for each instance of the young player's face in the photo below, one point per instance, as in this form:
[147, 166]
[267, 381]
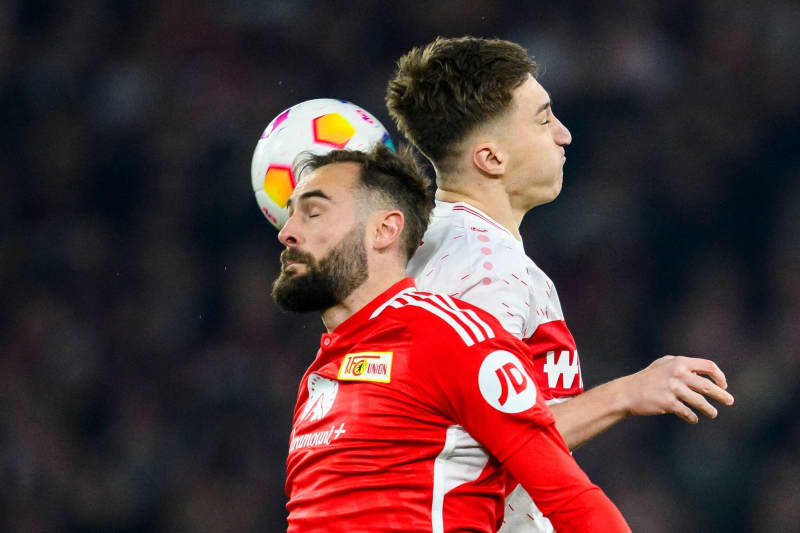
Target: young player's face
[325, 257]
[534, 141]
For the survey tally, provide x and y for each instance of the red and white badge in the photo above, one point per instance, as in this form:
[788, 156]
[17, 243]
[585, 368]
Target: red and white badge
[504, 383]
[366, 366]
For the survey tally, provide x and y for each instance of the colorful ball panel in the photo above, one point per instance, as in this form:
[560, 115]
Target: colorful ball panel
[279, 184]
[333, 129]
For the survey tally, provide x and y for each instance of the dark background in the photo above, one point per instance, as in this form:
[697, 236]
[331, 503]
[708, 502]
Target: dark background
[146, 377]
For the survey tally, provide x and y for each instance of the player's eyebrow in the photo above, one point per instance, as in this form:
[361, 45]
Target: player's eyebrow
[316, 193]
[544, 106]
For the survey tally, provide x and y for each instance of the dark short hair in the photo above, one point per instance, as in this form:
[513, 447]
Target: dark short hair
[441, 92]
[393, 180]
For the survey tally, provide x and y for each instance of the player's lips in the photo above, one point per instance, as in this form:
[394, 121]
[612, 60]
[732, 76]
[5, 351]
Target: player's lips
[291, 265]
[292, 258]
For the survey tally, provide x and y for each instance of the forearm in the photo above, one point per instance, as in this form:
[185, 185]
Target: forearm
[587, 415]
[668, 385]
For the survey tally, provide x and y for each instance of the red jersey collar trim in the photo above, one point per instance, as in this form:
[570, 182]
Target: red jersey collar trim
[362, 315]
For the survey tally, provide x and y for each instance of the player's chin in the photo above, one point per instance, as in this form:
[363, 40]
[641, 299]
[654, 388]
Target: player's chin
[555, 188]
[289, 276]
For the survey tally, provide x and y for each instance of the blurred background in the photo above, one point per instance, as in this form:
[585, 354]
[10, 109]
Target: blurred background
[147, 378]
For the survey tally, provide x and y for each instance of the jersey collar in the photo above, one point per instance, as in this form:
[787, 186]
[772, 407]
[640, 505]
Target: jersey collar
[475, 212]
[360, 317]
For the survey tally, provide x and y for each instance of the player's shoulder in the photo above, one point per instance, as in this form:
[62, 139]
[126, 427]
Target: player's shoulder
[460, 232]
[440, 319]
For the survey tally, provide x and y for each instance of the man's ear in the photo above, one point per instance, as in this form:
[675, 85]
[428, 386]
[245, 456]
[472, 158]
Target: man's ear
[489, 159]
[387, 227]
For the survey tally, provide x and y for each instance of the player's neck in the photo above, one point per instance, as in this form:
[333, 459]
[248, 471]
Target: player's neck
[495, 205]
[374, 286]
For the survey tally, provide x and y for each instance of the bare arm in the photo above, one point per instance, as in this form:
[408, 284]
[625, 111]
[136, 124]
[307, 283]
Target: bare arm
[669, 385]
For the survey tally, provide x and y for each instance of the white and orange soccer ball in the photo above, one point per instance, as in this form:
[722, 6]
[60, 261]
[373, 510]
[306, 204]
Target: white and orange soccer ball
[317, 126]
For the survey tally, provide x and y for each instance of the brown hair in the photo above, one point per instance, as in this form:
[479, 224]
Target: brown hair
[441, 92]
[393, 180]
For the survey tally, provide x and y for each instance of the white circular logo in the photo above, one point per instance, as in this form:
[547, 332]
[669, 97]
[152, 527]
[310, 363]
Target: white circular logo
[504, 383]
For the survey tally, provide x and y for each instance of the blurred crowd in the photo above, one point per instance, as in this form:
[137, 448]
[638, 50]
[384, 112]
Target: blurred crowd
[146, 377]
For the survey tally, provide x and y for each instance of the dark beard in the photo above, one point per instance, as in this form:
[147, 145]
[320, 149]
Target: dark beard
[325, 283]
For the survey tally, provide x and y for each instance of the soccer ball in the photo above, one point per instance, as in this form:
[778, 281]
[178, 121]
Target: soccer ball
[317, 126]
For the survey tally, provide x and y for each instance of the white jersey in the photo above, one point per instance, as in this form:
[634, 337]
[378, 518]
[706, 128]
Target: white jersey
[466, 254]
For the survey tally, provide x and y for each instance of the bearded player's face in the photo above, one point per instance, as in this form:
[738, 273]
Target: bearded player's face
[325, 258]
[323, 283]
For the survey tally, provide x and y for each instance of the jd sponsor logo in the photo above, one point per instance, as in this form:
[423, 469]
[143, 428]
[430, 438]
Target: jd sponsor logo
[366, 366]
[504, 383]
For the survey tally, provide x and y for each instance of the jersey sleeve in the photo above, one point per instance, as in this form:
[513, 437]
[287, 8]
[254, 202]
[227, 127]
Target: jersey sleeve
[487, 388]
[561, 490]
[495, 398]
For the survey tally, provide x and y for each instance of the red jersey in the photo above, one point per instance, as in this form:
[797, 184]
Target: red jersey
[405, 418]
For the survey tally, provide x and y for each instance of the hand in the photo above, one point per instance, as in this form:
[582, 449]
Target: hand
[676, 384]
